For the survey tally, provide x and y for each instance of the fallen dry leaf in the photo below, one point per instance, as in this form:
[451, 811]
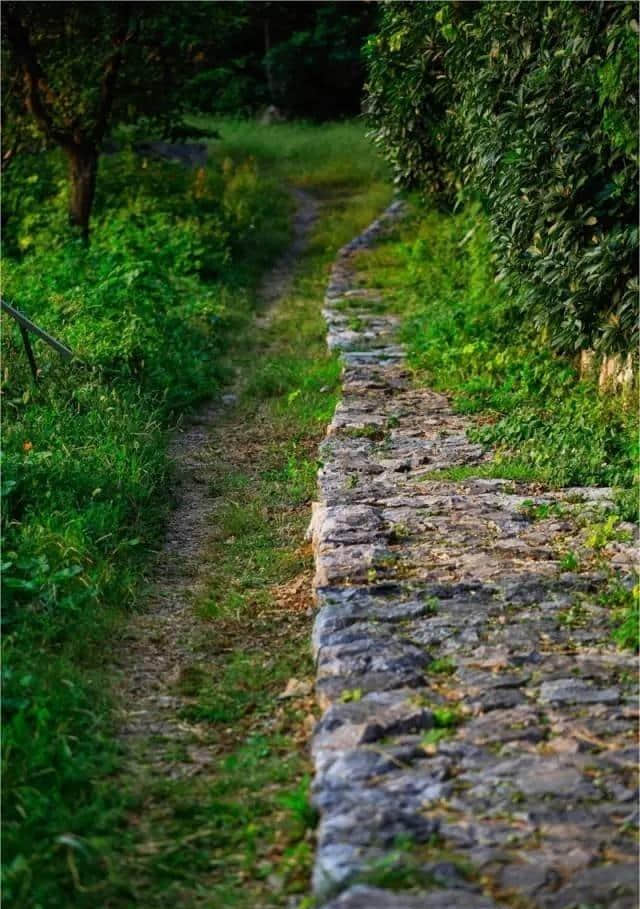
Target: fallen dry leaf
[296, 688]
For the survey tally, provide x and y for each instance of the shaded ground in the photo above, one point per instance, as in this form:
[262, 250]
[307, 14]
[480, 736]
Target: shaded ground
[217, 676]
[212, 754]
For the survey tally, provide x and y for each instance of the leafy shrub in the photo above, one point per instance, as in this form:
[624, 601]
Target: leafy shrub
[531, 107]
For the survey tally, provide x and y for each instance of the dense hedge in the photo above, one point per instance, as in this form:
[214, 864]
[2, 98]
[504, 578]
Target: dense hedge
[532, 107]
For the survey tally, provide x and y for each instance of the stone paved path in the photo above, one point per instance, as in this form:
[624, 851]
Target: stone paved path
[478, 741]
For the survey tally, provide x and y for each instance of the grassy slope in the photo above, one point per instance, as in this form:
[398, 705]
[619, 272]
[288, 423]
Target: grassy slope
[466, 338]
[176, 267]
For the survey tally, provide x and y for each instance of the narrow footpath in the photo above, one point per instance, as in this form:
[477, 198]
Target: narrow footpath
[165, 641]
[216, 763]
[478, 744]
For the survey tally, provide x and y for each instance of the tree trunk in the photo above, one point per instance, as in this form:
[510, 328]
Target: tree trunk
[83, 169]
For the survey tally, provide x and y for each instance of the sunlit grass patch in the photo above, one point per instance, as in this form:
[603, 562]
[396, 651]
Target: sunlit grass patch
[332, 159]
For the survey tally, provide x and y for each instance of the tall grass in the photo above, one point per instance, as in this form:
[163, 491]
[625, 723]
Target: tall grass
[329, 158]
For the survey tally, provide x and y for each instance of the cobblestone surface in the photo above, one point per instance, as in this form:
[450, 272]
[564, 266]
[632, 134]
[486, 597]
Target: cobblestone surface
[478, 741]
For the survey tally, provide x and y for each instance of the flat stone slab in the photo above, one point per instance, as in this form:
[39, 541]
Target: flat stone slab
[478, 743]
[361, 897]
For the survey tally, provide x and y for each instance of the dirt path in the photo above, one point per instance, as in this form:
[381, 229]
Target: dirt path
[478, 747]
[167, 642]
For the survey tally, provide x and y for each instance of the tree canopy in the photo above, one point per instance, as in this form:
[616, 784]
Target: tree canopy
[74, 70]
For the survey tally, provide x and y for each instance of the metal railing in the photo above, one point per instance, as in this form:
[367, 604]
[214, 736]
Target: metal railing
[26, 326]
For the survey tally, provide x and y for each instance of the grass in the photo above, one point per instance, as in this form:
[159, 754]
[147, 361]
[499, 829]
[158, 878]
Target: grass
[442, 666]
[149, 308]
[466, 338]
[625, 607]
[330, 160]
[159, 308]
[256, 844]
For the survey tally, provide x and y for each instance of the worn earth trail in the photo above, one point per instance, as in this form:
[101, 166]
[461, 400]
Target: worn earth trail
[478, 742]
[168, 643]
[211, 751]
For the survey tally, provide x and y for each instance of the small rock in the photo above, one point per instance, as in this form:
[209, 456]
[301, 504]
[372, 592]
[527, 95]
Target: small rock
[499, 699]
[552, 781]
[597, 886]
[361, 897]
[525, 878]
[575, 691]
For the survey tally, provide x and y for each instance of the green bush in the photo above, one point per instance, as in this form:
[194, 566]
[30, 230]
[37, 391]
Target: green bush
[530, 107]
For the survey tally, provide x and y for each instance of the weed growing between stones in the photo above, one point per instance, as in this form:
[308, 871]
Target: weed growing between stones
[539, 512]
[411, 866]
[624, 603]
[442, 666]
[371, 431]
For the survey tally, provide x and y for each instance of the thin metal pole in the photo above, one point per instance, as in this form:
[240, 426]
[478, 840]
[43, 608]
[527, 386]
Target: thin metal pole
[29, 350]
[25, 323]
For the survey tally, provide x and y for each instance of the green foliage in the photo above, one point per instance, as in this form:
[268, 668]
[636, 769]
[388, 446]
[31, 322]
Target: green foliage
[148, 309]
[531, 107]
[151, 49]
[317, 67]
[405, 97]
[303, 57]
[464, 337]
[625, 604]
[335, 160]
[442, 666]
[446, 717]
[542, 512]
[74, 71]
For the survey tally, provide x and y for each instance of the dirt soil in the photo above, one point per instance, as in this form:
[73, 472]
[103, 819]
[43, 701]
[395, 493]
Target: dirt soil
[162, 644]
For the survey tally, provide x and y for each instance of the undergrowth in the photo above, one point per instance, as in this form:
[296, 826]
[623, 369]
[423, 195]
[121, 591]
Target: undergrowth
[157, 309]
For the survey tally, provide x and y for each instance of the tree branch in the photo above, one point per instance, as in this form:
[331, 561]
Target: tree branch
[34, 79]
[110, 73]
